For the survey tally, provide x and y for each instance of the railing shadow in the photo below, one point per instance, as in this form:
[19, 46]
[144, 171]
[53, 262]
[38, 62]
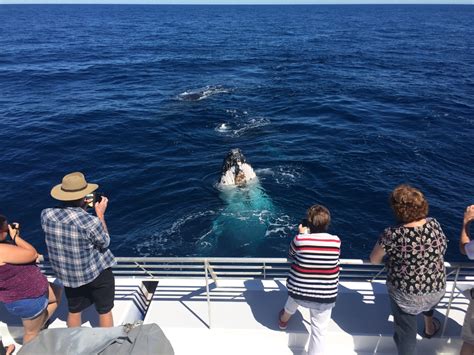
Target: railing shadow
[359, 312]
[265, 307]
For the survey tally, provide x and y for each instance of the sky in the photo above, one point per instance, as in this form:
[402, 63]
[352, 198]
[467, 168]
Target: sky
[243, 2]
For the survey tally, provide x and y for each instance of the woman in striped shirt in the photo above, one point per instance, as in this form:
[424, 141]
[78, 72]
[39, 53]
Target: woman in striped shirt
[314, 275]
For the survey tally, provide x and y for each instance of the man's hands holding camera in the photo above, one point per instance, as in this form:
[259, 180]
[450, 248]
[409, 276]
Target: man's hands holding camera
[101, 206]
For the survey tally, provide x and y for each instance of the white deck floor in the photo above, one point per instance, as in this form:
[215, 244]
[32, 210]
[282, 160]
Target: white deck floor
[244, 318]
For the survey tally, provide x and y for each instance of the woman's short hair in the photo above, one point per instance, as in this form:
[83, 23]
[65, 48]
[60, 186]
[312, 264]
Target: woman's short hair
[319, 218]
[408, 204]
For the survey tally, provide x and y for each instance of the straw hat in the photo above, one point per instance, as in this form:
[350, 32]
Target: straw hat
[73, 187]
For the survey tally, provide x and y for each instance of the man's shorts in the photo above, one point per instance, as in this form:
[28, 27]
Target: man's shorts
[467, 333]
[28, 308]
[99, 292]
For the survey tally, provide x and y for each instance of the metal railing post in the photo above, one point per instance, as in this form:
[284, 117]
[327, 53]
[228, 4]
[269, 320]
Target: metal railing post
[264, 271]
[145, 270]
[450, 300]
[377, 275]
[206, 264]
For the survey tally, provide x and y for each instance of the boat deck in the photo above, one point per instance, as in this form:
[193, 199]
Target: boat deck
[230, 306]
[242, 317]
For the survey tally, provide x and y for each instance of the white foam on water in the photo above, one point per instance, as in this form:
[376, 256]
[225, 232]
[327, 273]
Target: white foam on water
[223, 128]
[171, 237]
[240, 128]
[280, 226]
[202, 93]
[282, 174]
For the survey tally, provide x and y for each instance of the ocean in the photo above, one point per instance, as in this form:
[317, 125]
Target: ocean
[333, 105]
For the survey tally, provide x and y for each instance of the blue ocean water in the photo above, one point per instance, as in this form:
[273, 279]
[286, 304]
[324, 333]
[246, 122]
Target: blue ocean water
[330, 104]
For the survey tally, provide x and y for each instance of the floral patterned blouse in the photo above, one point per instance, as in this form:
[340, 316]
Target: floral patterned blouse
[415, 257]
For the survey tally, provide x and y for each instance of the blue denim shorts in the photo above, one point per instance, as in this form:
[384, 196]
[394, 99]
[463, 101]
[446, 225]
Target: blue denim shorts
[28, 308]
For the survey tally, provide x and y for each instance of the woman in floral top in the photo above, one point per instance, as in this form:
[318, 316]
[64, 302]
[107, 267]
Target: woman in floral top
[414, 257]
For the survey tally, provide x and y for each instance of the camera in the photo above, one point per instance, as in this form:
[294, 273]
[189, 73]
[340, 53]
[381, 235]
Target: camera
[98, 197]
[93, 198]
[304, 223]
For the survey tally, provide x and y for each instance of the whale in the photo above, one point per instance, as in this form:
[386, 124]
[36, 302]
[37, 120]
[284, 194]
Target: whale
[242, 224]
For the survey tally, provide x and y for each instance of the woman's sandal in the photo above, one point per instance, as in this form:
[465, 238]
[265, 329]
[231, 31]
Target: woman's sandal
[437, 327]
[9, 349]
[282, 325]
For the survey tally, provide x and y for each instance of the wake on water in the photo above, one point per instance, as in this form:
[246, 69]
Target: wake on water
[248, 220]
[248, 217]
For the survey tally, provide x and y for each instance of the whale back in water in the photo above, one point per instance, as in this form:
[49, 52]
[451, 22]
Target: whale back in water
[242, 225]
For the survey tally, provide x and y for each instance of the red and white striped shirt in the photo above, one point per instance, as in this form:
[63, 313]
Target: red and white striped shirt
[314, 274]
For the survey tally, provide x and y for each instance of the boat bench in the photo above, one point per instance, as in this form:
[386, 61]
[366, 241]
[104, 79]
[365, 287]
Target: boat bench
[130, 305]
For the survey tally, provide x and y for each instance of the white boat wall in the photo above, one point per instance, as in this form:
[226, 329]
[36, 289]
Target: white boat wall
[231, 305]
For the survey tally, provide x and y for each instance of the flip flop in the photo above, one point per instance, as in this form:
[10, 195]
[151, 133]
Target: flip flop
[9, 349]
[437, 327]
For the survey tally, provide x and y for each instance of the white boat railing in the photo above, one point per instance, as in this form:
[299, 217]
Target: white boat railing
[154, 268]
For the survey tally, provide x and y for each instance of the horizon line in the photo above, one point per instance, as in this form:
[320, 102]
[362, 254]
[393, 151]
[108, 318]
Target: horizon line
[236, 3]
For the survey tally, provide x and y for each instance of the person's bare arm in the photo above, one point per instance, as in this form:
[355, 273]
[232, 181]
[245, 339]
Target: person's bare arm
[377, 254]
[21, 253]
[465, 235]
[100, 208]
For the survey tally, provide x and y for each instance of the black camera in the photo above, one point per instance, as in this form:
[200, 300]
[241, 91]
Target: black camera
[304, 223]
[94, 198]
[98, 197]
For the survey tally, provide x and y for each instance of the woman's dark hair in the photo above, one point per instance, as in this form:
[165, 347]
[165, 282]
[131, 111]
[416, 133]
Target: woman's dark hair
[319, 218]
[408, 204]
[3, 220]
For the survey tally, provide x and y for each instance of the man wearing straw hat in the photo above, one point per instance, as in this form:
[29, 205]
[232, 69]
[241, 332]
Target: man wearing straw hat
[78, 251]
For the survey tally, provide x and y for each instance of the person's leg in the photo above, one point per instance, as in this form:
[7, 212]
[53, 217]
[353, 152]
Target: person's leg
[74, 320]
[467, 333]
[290, 308]
[467, 349]
[319, 324]
[106, 320]
[102, 291]
[78, 299]
[430, 327]
[405, 330]
[33, 326]
[54, 298]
